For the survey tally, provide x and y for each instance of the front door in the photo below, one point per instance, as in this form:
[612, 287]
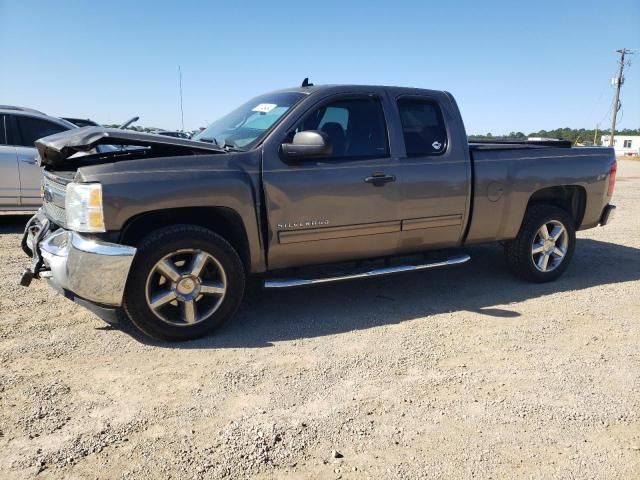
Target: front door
[9, 179]
[27, 129]
[30, 177]
[343, 206]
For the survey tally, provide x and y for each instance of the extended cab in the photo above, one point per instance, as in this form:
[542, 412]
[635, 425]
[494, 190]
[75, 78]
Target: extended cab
[360, 180]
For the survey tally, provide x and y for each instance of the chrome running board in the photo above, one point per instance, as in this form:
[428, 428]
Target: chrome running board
[377, 272]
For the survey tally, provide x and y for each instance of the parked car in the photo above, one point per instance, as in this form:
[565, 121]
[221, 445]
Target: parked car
[174, 134]
[20, 176]
[81, 122]
[336, 176]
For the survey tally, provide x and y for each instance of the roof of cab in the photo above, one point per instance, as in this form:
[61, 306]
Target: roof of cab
[355, 87]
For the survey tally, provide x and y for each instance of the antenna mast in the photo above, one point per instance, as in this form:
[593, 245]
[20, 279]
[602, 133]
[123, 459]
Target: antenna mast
[181, 109]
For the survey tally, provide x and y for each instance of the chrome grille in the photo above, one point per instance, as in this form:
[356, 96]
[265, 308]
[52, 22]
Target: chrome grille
[53, 201]
[56, 214]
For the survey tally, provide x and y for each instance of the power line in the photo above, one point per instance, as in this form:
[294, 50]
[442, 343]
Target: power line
[597, 104]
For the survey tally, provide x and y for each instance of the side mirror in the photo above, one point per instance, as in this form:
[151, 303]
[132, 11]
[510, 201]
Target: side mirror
[308, 144]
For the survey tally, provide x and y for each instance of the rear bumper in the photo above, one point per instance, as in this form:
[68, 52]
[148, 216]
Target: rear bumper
[87, 268]
[608, 213]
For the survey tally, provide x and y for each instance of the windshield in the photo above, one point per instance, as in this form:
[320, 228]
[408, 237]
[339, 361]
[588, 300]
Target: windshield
[247, 125]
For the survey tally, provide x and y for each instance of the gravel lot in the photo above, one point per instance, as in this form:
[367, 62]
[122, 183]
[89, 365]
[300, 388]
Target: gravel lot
[464, 372]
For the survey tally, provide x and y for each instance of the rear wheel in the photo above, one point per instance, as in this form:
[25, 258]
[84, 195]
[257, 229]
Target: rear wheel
[185, 282]
[544, 246]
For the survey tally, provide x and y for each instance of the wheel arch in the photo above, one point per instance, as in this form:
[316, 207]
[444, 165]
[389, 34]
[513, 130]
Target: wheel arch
[571, 198]
[521, 250]
[224, 221]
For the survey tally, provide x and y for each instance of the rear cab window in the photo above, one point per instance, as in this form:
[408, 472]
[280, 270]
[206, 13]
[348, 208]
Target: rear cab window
[423, 127]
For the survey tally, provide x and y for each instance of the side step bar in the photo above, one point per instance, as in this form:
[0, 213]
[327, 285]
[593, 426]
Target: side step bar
[377, 272]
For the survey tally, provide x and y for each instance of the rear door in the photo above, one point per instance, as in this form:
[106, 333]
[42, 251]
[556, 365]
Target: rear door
[435, 172]
[9, 176]
[329, 209]
[28, 130]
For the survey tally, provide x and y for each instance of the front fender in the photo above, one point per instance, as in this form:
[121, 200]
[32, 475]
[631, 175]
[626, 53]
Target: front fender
[190, 182]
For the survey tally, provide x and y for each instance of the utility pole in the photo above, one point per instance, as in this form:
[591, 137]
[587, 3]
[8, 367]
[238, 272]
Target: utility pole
[617, 81]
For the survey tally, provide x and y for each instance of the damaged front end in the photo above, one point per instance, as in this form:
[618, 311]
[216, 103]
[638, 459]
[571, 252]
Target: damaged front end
[36, 229]
[80, 146]
[63, 238]
[75, 264]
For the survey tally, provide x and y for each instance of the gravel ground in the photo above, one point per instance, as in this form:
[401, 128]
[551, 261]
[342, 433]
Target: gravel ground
[464, 372]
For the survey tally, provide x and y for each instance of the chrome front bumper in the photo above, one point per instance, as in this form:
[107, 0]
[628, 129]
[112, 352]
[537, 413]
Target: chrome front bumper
[90, 269]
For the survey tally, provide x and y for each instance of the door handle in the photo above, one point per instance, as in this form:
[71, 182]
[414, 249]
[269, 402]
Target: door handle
[380, 179]
[30, 161]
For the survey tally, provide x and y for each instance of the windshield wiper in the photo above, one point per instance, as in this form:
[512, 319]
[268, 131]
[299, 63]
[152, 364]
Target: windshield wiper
[232, 148]
[129, 122]
[226, 146]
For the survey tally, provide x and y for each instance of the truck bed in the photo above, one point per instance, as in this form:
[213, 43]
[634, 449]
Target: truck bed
[518, 145]
[505, 175]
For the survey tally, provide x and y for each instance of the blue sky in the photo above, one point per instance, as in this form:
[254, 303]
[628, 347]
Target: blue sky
[513, 66]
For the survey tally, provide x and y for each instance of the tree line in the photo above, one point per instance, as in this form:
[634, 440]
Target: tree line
[575, 135]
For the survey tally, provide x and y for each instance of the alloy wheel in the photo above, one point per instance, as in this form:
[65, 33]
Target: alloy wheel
[549, 246]
[186, 287]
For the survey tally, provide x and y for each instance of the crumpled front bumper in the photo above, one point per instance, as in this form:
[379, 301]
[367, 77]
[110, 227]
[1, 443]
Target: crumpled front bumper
[85, 267]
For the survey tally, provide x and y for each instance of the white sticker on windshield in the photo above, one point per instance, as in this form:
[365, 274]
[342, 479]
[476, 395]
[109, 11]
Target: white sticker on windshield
[264, 107]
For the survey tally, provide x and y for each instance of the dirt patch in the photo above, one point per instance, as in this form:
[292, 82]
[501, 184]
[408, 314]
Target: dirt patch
[464, 372]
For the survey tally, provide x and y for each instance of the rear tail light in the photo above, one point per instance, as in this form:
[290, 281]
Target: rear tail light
[612, 178]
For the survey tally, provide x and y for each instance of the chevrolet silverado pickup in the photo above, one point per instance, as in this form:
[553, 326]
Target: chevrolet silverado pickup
[297, 187]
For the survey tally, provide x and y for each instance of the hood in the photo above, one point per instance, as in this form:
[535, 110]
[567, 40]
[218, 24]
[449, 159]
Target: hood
[58, 148]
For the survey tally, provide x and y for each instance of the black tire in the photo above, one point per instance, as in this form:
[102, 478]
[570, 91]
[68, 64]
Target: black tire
[166, 241]
[519, 251]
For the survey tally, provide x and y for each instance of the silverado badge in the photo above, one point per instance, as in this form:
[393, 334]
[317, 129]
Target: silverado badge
[303, 224]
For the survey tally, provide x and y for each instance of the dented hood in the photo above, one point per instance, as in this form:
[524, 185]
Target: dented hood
[58, 148]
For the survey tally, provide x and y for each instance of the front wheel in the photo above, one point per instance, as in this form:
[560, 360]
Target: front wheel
[185, 282]
[544, 246]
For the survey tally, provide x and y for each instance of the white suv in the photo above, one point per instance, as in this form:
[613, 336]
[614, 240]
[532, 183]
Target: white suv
[20, 175]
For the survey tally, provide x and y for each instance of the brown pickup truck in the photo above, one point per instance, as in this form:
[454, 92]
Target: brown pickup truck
[296, 187]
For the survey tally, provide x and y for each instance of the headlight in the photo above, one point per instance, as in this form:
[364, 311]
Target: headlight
[83, 205]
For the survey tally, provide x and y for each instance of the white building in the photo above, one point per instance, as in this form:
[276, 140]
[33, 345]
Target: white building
[542, 139]
[623, 144]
